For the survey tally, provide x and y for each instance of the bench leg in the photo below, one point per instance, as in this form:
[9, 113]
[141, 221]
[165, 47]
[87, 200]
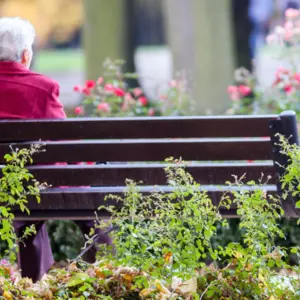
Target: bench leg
[35, 255]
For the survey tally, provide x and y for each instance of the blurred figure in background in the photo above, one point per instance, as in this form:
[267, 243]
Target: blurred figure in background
[260, 14]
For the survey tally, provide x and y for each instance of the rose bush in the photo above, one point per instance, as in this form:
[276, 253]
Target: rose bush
[249, 97]
[110, 96]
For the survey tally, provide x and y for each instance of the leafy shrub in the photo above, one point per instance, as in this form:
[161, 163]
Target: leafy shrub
[16, 185]
[163, 249]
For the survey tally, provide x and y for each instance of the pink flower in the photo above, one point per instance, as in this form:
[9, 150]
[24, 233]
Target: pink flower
[249, 161]
[87, 91]
[137, 92]
[143, 100]
[279, 74]
[151, 112]
[271, 38]
[288, 25]
[119, 92]
[163, 97]
[288, 89]
[128, 97]
[297, 77]
[233, 92]
[232, 89]
[291, 13]
[77, 88]
[104, 107]
[3, 262]
[288, 34]
[100, 80]
[173, 83]
[78, 110]
[282, 70]
[109, 87]
[90, 84]
[90, 163]
[244, 90]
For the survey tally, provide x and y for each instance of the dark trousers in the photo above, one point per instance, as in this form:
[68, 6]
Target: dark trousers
[35, 256]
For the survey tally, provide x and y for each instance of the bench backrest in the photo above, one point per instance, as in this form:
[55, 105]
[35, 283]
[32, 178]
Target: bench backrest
[217, 147]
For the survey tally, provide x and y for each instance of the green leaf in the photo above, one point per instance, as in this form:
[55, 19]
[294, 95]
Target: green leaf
[77, 279]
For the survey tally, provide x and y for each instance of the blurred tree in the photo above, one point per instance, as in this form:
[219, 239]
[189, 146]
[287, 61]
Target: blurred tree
[242, 29]
[200, 37]
[107, 33]
[148, 16]
[55, 19]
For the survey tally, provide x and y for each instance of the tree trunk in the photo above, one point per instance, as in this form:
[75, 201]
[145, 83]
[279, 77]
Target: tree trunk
[106, 34]
[199, 35]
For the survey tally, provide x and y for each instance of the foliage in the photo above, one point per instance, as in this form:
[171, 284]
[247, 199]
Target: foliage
[248, 97]
[163, 249]
[291, 179]
[66, 239]
[16, 185]
[110, 96]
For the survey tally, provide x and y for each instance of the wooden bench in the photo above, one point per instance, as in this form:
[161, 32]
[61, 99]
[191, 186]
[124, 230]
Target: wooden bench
[217, 147]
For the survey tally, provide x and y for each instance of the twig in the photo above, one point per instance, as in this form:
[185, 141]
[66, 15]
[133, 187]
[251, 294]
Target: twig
[95, 241]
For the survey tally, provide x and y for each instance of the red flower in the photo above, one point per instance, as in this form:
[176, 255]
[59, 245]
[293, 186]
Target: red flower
[143, 100]
[137, 92]
[288, 89]
[109, 87]
[297, 77]
[100, 80]
[90, 162]
[244, 90]
[86, 91]
[77, 88]
[78, 110]
[119, 92]
[249, 161]
[104, 107]
[90, 84]
[151, 112]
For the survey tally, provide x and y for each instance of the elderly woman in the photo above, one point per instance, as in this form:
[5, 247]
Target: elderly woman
[28, 95]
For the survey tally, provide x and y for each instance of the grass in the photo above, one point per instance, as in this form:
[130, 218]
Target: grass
[59, 61]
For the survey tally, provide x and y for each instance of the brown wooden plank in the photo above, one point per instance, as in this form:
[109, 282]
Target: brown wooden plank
[149, 174]
[151, 150]
[83, 215]
[58, 203]
[124, 128]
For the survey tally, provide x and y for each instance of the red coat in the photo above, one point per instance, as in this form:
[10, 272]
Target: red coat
[27, 95]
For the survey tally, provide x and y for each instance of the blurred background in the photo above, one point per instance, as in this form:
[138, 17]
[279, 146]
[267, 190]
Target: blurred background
[205, 39]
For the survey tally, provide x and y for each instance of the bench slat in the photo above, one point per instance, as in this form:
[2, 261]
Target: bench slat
[58, 203]
[150, 150]
[149, 174]
[131, 128]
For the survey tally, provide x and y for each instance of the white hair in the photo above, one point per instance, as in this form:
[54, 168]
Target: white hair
[16, 35]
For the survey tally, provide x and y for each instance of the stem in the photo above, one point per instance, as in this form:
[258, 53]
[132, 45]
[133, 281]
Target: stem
[202, 295]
